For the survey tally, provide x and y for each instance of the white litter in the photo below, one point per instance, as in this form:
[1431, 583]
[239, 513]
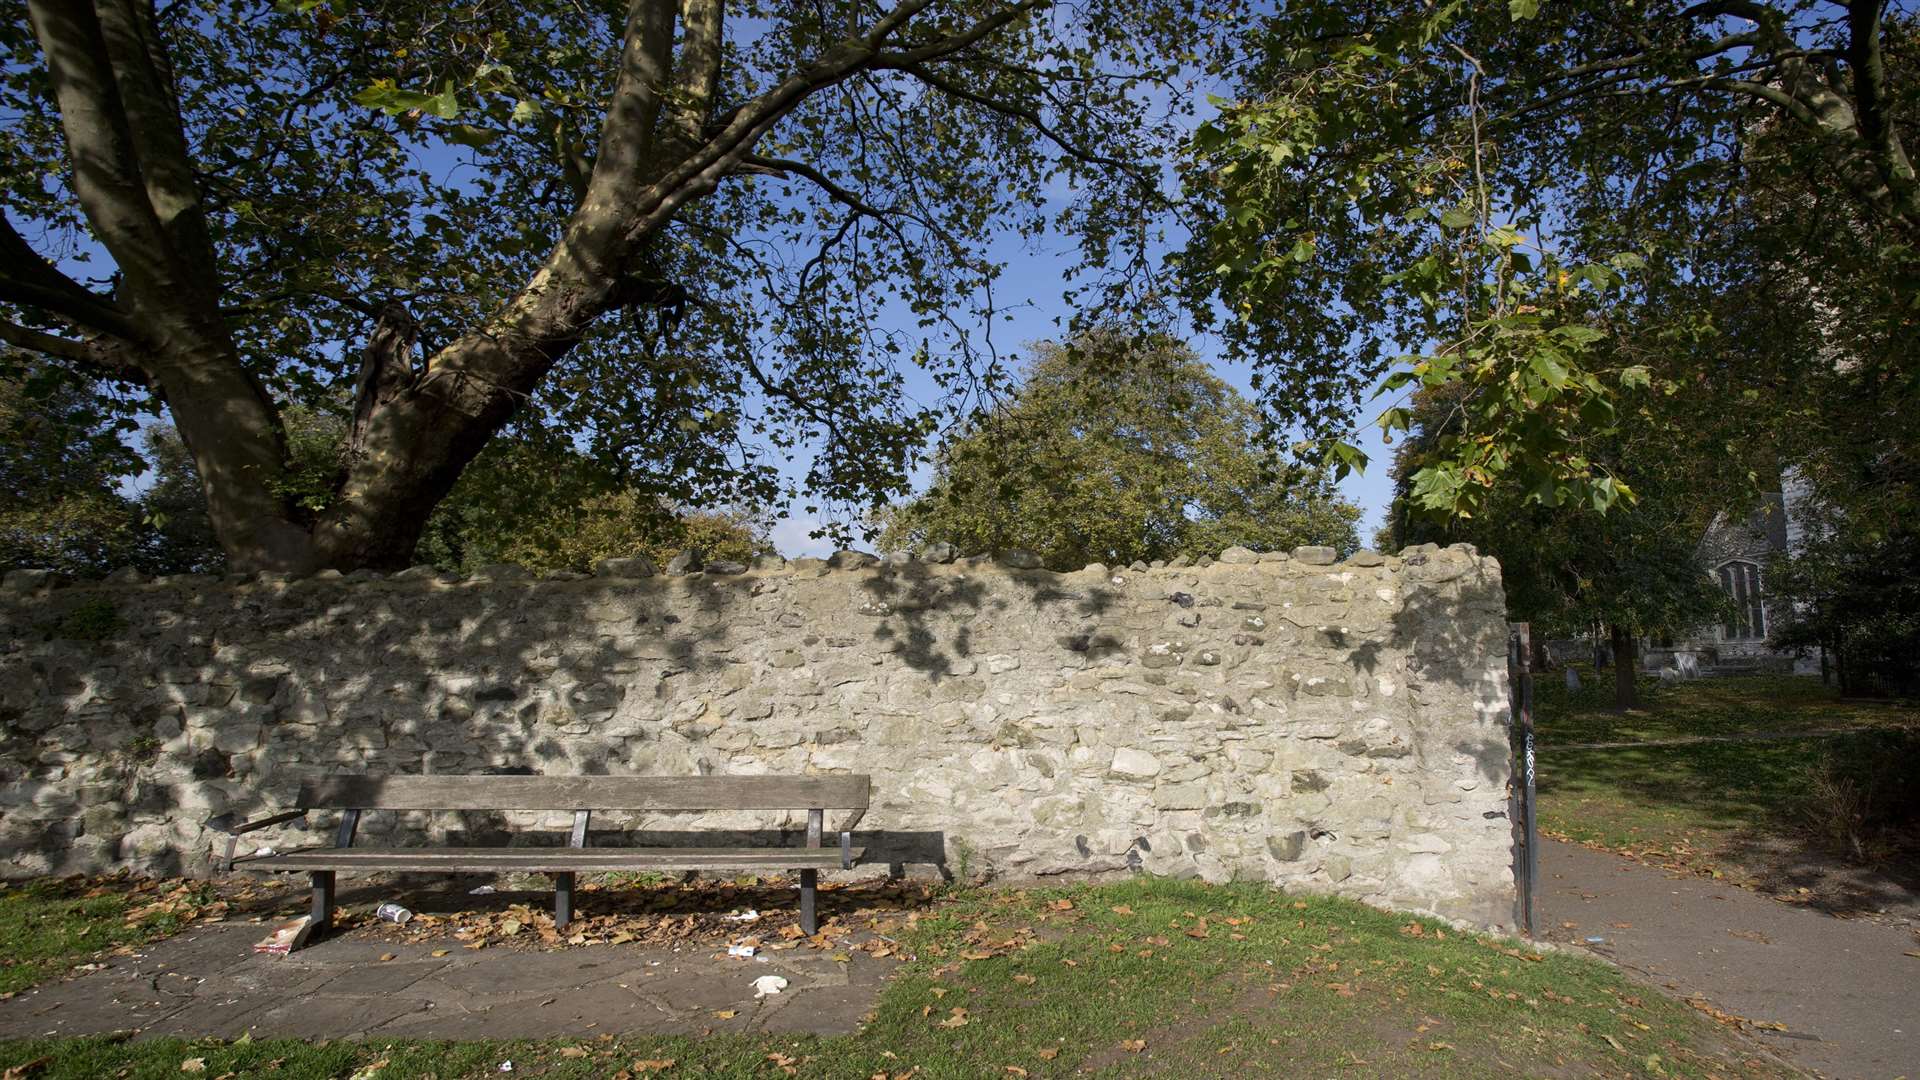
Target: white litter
[506, 1066]
[748, 915]
[265, 851]
[483, 891]
[768, 984]
[740, 950]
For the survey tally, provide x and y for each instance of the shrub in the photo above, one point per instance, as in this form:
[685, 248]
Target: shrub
[1862, 795]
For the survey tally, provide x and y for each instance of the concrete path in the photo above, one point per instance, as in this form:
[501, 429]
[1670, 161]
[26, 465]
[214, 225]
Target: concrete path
[1848, 991]
[209, 982]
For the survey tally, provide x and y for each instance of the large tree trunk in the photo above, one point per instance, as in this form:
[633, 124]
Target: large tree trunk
[1625, 668]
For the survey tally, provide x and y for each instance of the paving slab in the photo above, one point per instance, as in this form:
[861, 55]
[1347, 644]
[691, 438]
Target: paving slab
[209, 982]
[1848, 991]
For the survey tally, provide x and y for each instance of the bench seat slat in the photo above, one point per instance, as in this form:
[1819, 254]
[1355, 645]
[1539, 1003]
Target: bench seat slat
[538, 860]
[456, 792]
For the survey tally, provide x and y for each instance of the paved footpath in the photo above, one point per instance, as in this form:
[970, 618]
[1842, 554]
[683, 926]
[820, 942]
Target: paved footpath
[208, 981]
[1846, 989]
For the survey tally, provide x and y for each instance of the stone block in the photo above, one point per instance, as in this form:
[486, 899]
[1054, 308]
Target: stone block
[1136, 764]
[637, 566]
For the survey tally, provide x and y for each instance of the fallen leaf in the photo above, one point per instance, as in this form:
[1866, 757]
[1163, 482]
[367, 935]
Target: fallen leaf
[385, 956]
[1122, 909]
[194, 1065]
[647, 1065]
[958, 1019]
[441, 952]
[1133, 1046]
[574, 1051]
[1049, 1053]
[727, 1014]
[1015, 1070]
[1062, 904]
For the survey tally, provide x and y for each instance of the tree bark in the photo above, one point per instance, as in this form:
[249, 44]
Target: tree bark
[1625, 669]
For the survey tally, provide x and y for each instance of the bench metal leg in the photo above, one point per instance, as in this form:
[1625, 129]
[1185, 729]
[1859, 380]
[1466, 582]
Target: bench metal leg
[320, 919]
[562, 900]
[809, 880]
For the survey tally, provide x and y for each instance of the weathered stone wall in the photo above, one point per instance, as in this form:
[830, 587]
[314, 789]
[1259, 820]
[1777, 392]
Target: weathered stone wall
[1274, 717]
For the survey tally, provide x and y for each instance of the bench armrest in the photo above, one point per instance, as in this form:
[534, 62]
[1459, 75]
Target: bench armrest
[846, 837]
[225, 823]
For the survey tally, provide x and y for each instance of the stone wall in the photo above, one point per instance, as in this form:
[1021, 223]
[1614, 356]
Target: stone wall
[1275, 717]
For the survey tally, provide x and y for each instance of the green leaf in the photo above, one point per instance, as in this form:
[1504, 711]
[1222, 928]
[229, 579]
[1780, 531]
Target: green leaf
[1578, 334]
[444, 104]
[1550, 370]
[1348, 458]
[468, 135]
[526, 110]
[1635, 378]
[1396, 419]
[1523, 9]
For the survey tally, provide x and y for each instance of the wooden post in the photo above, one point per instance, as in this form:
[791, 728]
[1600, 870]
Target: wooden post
[563, 882]
[810, 879]
[321, 917]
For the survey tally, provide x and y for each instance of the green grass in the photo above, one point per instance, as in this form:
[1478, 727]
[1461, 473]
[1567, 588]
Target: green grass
[1712, 707]
[1120, 979]
[1691, 804]
[49, 926]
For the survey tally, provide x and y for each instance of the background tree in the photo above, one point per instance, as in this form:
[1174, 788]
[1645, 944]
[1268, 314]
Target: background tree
[1854, 596]
[549, 507]
[1632, 569]
[1116, 449]
[676, 231]
[61, 464]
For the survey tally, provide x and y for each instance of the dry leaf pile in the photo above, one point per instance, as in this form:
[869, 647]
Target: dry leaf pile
[699, 914]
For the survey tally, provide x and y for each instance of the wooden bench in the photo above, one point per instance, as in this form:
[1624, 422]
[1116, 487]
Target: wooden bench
[355, 795]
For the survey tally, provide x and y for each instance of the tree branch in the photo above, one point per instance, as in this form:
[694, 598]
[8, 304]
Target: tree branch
[106, 174]
[102, 357]
[1865, 57]
[697, 79]
[31, 281]
[143, 79]
[1018, 112]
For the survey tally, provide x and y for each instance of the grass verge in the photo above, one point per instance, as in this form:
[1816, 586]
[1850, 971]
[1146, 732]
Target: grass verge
[1146, 978]
[47, 926]
[1695, 806]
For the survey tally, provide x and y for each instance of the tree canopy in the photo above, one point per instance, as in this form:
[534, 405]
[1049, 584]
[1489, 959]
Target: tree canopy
[1115, 449]
[691, 236]
[1632, 568]
[1574, 210]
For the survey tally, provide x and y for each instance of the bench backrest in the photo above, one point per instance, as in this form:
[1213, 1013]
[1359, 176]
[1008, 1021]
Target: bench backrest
[846, 792]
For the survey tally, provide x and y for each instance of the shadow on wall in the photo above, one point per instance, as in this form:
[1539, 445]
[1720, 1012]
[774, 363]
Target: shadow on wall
[1453, 642]
[212, 698]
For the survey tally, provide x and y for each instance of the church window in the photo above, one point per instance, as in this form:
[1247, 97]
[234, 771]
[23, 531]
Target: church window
[1748, 620]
